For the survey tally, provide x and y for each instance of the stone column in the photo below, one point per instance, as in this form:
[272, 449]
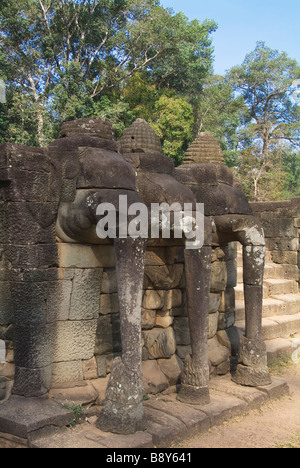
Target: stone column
[253, 366]
[123, 409]
[195, 375]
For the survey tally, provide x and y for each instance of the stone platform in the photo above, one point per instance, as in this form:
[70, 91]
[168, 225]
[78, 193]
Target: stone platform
[41, 423]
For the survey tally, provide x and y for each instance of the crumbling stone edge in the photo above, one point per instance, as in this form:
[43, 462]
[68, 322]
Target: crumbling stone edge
[168, 421]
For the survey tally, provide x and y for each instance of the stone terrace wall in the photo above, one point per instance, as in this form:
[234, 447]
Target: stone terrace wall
[87, 325]
[281, 222]
[94, 309]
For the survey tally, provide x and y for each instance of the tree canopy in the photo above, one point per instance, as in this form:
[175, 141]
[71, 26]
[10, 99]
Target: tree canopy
[124, 59]
[270, 126]
[65, 58]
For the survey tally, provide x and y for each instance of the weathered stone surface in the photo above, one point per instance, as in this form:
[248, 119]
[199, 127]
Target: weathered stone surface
[108, 336]
[213, 320]
[28, 257]
[21, 416]
[283, 257]
[67, 372]
[163, 276]
[32, 382]
[164, 319]
[89, 368]
[172, 368]
[164, 256]
[75, 394]
[100, 385]
[195, 421]
[173, 299]
[59, 300]
[252, 370]
[155, 380]
[86, 256]
[75, 340]
[158, 276]
[226, 320]
[148, 319]
[227, 300]
[231, 266]
[85, 295]
[182, 331]
[140, 138]
[165, 429]
[109, 283]
[194, 383]
[6, 305]
[34, 345]
[216, 352]
[214, 302]
[283, 227]
[109, 304]
[123, 412]
[218, 277]
[29, 304]
[160, 343]
[109, 166]
[154, 300]
[5, 388]
[28, 221]
[26, 185]
[254, 261]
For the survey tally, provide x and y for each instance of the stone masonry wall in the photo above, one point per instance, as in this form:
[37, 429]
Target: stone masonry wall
[281, 222]
[87, 336]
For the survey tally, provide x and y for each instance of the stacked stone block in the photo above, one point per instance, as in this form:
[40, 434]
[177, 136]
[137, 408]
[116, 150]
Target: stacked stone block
[281, 222]
[74, 316]
[28, 266]
[94, 309]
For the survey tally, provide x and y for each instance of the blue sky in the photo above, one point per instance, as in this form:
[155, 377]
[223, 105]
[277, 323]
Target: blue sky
[242, 23]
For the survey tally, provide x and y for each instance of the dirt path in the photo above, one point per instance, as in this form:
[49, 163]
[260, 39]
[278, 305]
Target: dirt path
[277, 424]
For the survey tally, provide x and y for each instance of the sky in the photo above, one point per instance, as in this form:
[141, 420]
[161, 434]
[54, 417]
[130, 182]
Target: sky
[244, 22]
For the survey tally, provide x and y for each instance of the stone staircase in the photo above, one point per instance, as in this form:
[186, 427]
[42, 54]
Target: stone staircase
[281, 309]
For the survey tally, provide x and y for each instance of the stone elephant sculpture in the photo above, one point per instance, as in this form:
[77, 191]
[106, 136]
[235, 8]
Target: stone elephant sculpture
[212, 183]
[144, 175]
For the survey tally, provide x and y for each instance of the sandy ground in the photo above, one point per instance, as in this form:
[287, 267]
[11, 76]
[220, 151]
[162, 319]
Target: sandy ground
[276, 425]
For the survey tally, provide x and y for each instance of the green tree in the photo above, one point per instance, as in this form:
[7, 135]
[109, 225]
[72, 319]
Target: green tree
[174, 125]
[220, 112]
[291, 164]
[266, 81]
[64, 56]
[141, 96]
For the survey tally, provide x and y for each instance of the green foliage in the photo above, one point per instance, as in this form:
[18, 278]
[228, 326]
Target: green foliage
[220, 112]
[174, 125]
[141, 96]
[77, 410]
[291, 164]
[124, 59]
[270, 124]
[66, 59]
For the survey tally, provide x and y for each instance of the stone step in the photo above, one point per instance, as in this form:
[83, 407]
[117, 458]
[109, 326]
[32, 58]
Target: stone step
[239, 292]
[292, 302]
[279, 348]
[272, 287]
[271, 307]
[281, 286]
[277, 326]
[272, 271]
[240, 257]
